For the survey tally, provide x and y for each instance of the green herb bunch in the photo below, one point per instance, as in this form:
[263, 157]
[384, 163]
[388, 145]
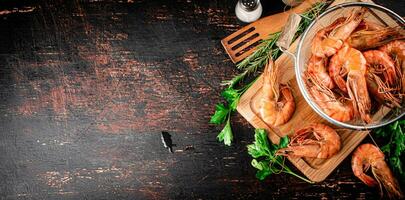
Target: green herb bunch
[249, 66]
[223, 113]
[395, 148]
[265, 159]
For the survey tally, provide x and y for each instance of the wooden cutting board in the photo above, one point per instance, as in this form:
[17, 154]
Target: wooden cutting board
[315, 169]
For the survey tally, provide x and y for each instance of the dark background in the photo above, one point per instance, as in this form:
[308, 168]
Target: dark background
[86, 87]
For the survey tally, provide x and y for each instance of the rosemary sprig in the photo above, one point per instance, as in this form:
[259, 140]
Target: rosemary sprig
[256, 60]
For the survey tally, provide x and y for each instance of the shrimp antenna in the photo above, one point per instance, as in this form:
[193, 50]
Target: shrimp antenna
[271, 72]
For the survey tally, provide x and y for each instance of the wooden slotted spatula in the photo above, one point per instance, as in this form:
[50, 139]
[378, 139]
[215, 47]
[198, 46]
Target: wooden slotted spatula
[242, 43]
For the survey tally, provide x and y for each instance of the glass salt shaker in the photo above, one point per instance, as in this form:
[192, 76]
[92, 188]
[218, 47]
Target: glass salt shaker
[248, 10]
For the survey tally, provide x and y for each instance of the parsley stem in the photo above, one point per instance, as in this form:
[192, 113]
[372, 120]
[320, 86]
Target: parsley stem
[300, 177]
[289, 171]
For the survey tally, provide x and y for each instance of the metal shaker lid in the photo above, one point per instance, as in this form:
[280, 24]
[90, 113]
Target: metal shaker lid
[249, 5]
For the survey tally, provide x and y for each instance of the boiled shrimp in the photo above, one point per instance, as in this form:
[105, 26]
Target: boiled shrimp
[322, 45]
[330, 39]
[277, 104]
[368, 39]
[315, 141]
[381, 63]
[317, 67]
[368, 155]
[382, 78]
[396, 49]
[351, 63]
[337, 108]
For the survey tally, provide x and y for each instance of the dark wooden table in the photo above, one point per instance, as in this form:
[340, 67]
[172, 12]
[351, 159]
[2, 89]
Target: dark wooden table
[86, 87]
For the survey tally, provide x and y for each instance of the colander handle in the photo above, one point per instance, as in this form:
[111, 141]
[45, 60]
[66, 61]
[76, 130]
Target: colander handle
[288, 33]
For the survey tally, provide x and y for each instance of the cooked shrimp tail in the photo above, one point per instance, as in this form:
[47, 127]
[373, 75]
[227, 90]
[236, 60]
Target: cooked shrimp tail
[317, 67]
[350, 62]
[386, 179]
[357, 89]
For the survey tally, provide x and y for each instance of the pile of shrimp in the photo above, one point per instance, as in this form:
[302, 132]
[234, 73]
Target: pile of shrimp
[356, 66]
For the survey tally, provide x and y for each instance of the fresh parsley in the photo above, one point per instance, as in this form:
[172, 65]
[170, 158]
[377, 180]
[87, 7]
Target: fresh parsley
[226, 135]
[220, 115]
[223, 113]
[265, 159]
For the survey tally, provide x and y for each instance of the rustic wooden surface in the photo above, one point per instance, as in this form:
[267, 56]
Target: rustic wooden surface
[86, 87]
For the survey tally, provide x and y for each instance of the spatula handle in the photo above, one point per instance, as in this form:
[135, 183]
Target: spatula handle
[288, 32]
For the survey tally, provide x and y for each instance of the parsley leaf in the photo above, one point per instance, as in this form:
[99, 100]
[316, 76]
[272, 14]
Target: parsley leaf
[226, 134]
[232, 97]
[221, 112]
[263, 170]
[260, 145]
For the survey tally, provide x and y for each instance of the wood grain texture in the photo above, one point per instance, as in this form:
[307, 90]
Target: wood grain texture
[86, 87]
